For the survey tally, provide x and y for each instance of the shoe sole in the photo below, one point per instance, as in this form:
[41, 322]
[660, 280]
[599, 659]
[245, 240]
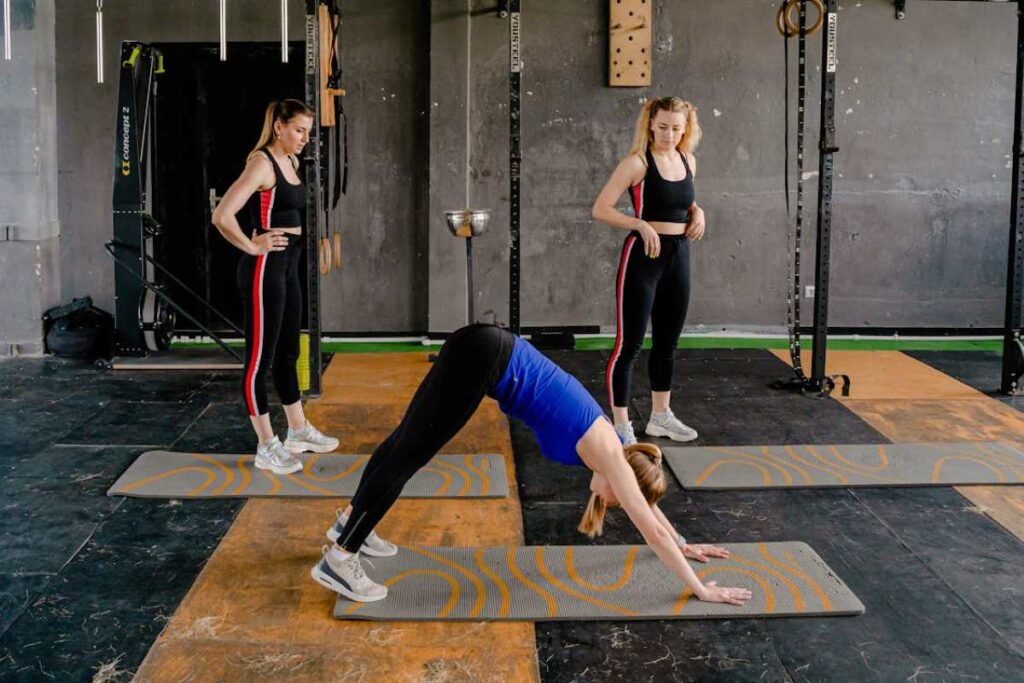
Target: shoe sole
[654, 430]
[330, 584]
[306, 447]
[280, 470]
[333, 537]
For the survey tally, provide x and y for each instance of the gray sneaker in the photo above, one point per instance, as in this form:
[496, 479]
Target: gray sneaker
[347, 578]
[309, 438]
[374, 545]
[625, 432]
[667, 424]
[274, 457]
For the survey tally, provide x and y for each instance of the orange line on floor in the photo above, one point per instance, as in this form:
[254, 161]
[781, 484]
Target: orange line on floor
[254, 613]
[910, 401]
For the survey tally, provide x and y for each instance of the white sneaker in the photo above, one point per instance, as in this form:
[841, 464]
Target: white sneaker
[274, 457]
[309, 438]
[374, 545]
[625, 432]
[347, 578]
[667, 424]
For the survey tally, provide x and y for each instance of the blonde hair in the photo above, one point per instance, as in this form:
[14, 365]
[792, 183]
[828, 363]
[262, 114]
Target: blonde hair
[645, 460]
[278, 110]
[642, 134]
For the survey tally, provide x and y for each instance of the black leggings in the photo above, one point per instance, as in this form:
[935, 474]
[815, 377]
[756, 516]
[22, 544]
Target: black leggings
[648, 288]
[470, 364]
[272, 297]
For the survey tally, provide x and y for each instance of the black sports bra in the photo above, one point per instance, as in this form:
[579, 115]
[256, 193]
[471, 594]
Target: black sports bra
[280, 206]
[657, 199]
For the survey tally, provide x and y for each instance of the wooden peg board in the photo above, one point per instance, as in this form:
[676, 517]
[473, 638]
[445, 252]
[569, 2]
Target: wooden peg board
[629, 52]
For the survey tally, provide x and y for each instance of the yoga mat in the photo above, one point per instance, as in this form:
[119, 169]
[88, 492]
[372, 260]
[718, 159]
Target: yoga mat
[902, 464]
[572, 583]
[163, 474]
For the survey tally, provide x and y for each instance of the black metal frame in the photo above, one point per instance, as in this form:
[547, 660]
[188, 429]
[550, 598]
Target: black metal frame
[515, 159]
[317, 154]
[826, 149]
[1013, 352]
[818, 383]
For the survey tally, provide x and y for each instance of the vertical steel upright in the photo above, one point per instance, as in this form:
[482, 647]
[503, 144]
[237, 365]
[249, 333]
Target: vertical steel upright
[315, 153]
[1013, 358]
[827, 148]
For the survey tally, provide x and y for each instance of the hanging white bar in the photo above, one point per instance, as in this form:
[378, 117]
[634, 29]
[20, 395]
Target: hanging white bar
[223, 30]
[284, 31]
[99, 41]
[7, 29]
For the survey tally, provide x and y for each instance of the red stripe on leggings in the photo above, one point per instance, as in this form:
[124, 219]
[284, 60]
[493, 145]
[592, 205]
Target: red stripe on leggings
[620, 281]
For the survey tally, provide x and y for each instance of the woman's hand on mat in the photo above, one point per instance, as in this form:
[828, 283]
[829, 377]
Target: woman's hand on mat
[652, 242]
[714, 593]
[271, 240]
[702, 552]
[695, 230]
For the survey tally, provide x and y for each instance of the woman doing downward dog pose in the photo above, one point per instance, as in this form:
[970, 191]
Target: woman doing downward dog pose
[653, 280]
[570, 428]
[268, 277]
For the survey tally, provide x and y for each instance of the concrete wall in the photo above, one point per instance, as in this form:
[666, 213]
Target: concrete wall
[29, 225]
[922, 188]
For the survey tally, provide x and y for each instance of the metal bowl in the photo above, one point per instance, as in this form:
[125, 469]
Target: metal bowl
[467, 222]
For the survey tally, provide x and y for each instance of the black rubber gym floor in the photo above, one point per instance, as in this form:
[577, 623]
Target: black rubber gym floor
[942, 583]
[87, 581]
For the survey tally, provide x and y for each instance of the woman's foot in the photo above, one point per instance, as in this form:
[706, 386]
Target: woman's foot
[272, 456]
[374, 545]
[309, 438]
[667, 424]
[625, 432]
[346, 577]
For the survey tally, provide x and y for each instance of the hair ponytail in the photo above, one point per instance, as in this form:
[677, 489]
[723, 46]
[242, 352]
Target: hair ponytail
[592, 523]
[278, 110]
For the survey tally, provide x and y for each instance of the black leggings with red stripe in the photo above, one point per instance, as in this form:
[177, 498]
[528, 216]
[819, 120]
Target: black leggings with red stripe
[272, 297]
[655, 289]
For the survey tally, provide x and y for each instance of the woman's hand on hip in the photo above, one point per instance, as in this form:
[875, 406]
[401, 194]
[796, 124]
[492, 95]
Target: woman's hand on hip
[695, 230]
[266, 242]
[652, 241]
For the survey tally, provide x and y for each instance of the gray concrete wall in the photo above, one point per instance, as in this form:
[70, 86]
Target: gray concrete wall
[922, 186]
[29, 224]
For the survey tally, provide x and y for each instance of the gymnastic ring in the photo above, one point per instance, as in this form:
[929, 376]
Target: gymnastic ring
[325, 256]
[337, 249]
[788, 27]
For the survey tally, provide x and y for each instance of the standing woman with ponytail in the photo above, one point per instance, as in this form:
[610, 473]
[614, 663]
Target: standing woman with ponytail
[272, 193]
[484, 360]
[653, 281]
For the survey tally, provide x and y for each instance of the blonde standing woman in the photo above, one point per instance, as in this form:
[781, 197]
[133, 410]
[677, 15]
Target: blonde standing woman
[273, 198]
[653, 278]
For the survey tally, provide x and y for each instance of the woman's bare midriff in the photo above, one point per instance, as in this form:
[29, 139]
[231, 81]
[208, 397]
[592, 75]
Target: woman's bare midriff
[663, 228]
[298, 231]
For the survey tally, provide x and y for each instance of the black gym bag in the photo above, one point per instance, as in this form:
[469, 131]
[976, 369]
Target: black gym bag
[78, 330]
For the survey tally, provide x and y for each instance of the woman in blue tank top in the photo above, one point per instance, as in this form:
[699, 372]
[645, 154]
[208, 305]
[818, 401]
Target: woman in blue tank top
[484, 360]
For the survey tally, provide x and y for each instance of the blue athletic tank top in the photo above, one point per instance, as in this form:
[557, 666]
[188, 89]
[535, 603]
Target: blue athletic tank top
[549, 400]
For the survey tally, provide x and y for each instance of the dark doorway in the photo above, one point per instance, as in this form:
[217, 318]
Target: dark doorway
[209, 115]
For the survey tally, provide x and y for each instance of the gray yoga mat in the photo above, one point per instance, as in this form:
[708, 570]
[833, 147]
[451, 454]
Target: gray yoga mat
[163, 474]
[901, 464]
[567, 583]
